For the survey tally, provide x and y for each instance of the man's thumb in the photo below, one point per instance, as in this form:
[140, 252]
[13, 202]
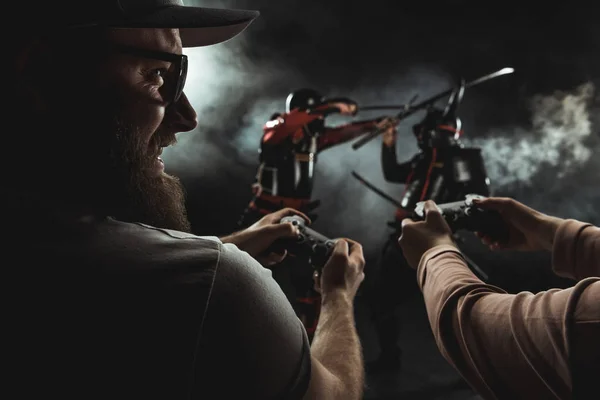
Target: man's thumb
[407, 221]
[276, 231]
[491, 203]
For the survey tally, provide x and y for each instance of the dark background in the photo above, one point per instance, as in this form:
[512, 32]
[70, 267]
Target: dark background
[538, 127]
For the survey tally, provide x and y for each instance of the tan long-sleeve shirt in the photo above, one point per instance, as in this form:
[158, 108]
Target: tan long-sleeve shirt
[522, 346]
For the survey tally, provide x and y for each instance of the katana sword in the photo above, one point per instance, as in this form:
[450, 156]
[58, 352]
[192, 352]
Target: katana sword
[376, 190]
[426, 103]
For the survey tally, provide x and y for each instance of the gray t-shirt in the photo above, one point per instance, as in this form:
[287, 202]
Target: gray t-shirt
[102, 309]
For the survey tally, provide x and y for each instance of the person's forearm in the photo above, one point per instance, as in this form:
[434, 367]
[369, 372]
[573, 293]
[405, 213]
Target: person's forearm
[506, 345]
[392, 170]
[233, 238]
[337, 346]
[228, 238]
[547, 226]
[342, 134]
[576, 250]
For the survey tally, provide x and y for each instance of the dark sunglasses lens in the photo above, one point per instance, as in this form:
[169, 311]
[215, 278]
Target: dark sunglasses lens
[181, 79]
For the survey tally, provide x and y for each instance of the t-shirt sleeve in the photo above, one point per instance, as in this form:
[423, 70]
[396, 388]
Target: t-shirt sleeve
[252, 344]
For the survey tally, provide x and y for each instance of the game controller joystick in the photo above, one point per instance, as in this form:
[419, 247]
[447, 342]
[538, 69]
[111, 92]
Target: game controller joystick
[309, 244]
[466, 215]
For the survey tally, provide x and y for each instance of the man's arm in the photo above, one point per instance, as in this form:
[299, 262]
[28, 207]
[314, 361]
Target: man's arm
[508, 346]
[232, 237]
[337, 362]
[286, 125]
[342, 134]
[338, 367]
[252, 344]
[392, 170]
[576, 250]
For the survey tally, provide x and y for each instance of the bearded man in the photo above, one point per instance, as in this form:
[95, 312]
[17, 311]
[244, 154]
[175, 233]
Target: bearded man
[111, 295]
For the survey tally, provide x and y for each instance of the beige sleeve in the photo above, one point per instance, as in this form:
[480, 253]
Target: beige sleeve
[576, 250]
[506, 346]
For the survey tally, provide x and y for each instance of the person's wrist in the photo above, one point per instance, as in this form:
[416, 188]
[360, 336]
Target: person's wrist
[443, 240]
[336, 298]
[228, 239]
[547, 227]
[234, 238]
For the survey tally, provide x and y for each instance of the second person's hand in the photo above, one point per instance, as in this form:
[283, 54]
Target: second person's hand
[529, 229]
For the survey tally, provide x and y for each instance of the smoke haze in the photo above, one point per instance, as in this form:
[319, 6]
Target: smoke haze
[538, 145]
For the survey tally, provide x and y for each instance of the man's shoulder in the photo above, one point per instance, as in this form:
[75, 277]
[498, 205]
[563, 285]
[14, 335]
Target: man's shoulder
[113, 244]
[170, 246]
[162, 233]
[142, 234]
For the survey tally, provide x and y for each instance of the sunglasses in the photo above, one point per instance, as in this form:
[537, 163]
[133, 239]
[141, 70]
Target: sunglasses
[175, 77]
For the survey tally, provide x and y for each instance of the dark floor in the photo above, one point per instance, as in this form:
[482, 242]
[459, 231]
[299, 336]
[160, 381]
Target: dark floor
[424, 373]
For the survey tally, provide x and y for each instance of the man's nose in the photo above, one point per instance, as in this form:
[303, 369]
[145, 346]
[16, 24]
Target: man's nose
[181, 117]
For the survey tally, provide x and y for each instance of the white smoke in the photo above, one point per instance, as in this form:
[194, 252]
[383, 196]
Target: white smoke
[545, 165]
[557, 139]
[216, 78]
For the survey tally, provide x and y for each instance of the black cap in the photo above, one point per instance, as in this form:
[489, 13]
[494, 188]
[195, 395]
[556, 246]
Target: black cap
[198, 26]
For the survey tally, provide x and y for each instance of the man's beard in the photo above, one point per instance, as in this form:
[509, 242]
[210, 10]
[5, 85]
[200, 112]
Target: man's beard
[98, 162]
[139, 195]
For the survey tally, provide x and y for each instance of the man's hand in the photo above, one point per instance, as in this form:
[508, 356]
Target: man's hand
[389, 137]
[343, 272]
[256, 239]
[529, 230]
[346, 107]
[257, 189]
[418, 237]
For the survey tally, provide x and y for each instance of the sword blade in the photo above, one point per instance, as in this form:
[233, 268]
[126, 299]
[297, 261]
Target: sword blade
[376, 190]
[383, 107]
[425, 103]
[503, 71]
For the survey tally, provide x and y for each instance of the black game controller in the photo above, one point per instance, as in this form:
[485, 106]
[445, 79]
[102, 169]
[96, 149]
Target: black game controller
[309, 244]
[465, 215]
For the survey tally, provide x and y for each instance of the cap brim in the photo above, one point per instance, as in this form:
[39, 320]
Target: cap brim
[198, 26]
